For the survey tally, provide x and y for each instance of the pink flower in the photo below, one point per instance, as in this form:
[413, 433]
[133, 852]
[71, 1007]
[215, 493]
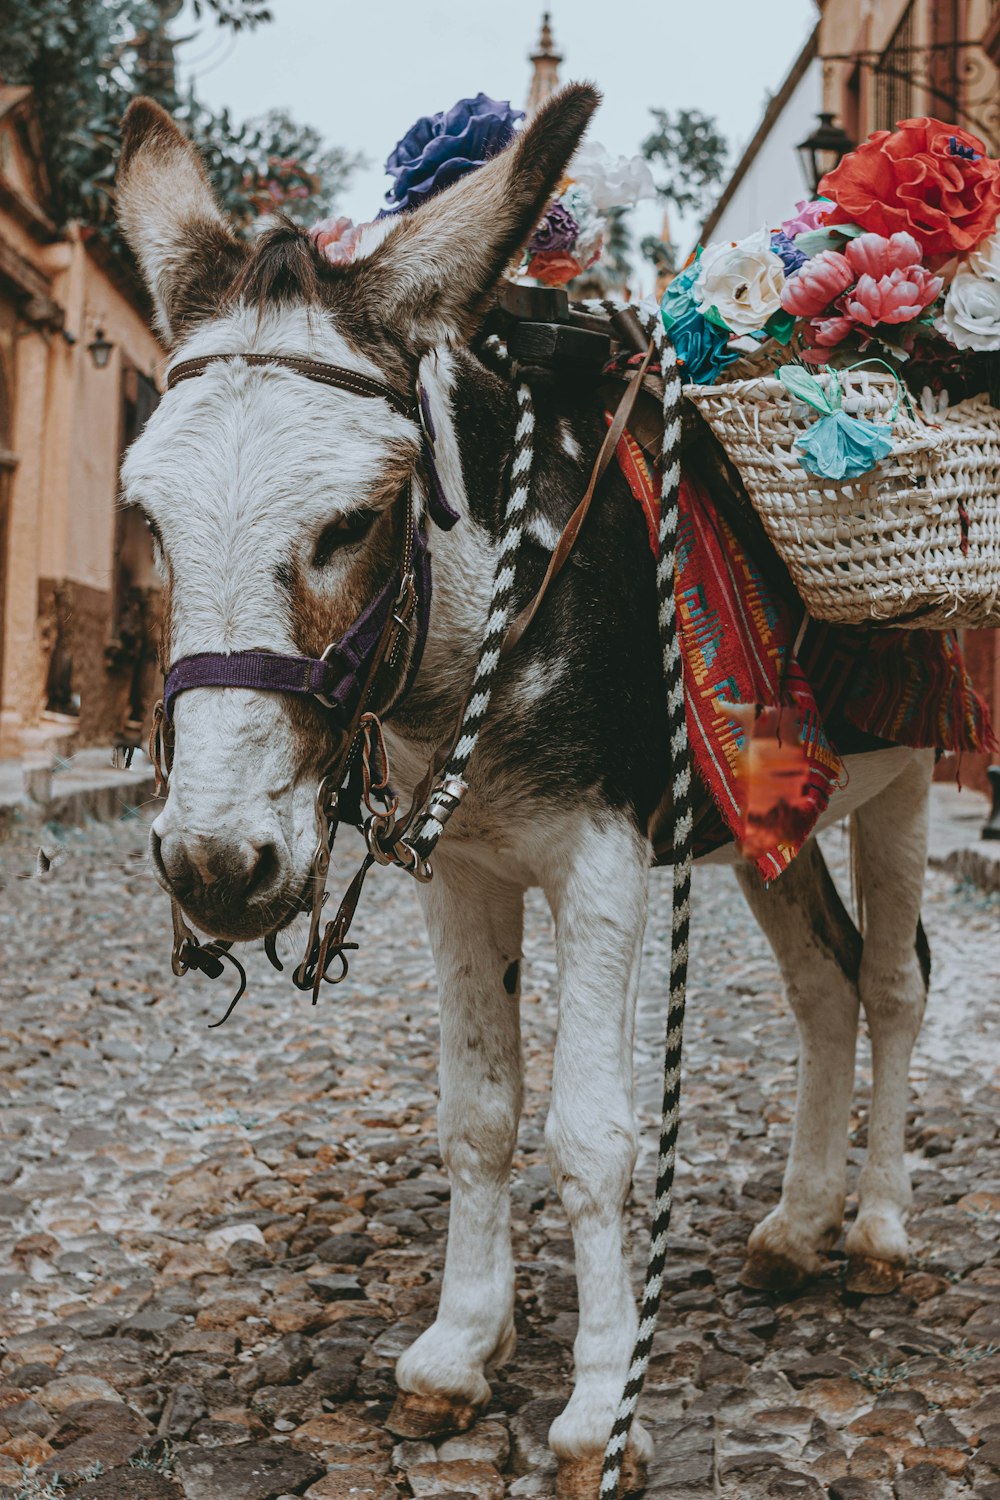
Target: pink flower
[819, 282]
[337, 238]
[808, 216]
[826, 332]
[896, 298]
[874, 255]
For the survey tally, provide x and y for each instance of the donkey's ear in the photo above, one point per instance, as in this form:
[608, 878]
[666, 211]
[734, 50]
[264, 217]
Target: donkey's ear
[187, 252]
[431, 276]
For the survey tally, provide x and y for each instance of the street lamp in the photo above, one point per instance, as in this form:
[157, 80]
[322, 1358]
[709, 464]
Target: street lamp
[100, 349]
[820, 152]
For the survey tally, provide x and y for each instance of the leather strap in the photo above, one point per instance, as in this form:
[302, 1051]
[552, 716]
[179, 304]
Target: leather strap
[312, 369]
[571, 530]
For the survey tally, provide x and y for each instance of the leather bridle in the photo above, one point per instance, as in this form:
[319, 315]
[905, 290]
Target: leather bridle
[342, 680]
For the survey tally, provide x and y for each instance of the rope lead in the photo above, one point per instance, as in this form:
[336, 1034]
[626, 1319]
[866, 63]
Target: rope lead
[680, 779]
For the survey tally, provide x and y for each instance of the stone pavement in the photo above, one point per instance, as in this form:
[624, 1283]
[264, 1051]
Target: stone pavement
[213, 1244]
[49, 787]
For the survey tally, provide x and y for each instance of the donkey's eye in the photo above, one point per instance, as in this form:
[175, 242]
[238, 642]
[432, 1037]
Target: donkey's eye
[341, 534]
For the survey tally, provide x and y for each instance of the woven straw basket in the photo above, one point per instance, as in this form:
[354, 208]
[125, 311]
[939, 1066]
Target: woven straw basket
[915, 542]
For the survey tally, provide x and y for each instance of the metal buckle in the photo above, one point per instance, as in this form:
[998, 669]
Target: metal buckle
[325, 656]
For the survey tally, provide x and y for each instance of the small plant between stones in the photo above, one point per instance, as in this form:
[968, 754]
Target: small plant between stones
[38, 1487]
[963, 1353]
[882, 1376]
[157, 1460]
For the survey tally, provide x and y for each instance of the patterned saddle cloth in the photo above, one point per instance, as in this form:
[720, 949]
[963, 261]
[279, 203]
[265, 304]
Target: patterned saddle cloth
[743, 642]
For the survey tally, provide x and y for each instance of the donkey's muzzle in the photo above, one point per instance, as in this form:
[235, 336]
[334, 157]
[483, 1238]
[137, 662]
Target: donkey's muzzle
[229, 886]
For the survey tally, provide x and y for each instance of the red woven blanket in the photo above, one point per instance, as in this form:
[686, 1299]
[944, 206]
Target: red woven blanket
[909, 687]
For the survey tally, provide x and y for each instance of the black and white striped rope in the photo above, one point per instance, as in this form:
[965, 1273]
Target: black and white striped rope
[430, 828]
[680, 783]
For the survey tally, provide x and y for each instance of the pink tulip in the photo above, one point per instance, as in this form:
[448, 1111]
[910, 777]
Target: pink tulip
[816, 284]
[896, 298]
[874, 255]
[826, 332]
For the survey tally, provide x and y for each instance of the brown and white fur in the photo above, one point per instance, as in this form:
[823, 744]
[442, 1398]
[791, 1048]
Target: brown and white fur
[276, 506]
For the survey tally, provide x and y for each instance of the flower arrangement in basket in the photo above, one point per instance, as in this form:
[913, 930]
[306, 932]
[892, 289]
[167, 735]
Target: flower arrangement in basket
[849, 362]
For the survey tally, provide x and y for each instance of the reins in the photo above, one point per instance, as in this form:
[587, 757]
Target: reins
[358, 782]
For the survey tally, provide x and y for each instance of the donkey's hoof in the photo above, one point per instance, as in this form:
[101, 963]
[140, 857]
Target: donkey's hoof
[580, 1478]
[869, 1276]
[765, 1272]
[417, 1416]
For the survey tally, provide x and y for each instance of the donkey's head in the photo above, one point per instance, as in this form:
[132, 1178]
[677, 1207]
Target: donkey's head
[279, 505]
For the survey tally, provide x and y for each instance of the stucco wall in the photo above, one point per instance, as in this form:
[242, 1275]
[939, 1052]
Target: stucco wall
[774, 181]
[67, 434]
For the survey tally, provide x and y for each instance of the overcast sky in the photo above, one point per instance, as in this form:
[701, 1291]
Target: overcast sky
[363, 72]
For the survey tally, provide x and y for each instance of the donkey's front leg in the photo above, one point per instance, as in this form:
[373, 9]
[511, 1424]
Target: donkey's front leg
[598, 898]
[475, 926]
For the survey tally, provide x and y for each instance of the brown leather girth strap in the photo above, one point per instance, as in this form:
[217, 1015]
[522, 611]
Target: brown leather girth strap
[312, 369]
[571, 530]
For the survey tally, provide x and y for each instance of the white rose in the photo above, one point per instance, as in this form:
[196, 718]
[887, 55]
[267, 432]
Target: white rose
[742, 282]
[613, 182]
[985, 259]
[971, 314]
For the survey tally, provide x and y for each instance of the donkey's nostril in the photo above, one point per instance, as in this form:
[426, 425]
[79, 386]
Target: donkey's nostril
[263, 870]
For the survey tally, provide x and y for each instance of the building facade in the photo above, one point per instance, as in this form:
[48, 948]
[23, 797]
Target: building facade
[79, 603]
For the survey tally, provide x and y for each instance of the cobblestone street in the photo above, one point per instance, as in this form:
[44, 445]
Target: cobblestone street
[213, 1244]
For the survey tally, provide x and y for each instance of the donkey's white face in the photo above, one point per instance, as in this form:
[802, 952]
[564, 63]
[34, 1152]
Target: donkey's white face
[263, 490]
[278, 503]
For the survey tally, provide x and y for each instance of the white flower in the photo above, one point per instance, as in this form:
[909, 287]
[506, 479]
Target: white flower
[742, 282]
[985, 259]
[613, 182]
[971, 314]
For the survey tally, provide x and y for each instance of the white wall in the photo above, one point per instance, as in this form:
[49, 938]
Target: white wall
[774, 182]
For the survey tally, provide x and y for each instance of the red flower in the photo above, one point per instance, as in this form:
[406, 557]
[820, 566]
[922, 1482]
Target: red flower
[553, 267]
[927, 178]
[816, 284]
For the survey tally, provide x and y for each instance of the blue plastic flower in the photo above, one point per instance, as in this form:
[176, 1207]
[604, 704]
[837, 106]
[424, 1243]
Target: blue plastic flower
[440, 148]
[837, 446]
[791, 256]
[843, 447]
[702, 347]
[678, 298]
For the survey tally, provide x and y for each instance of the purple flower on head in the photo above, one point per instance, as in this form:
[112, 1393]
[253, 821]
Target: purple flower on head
[791, 257]
[557, 231]
[440, 148]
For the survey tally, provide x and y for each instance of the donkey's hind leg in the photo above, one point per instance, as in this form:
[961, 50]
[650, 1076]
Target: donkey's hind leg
[818, 949]
[891, 832]
[475, 924]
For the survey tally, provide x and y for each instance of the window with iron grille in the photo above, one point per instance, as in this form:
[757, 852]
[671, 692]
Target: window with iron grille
[895, 92]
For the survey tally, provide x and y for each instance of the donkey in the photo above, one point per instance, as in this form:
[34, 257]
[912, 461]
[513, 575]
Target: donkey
[278, 506]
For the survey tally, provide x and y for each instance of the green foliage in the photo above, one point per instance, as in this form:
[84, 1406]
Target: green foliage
[691, 152]
[86, 59]
[614, 269]
[661, 255]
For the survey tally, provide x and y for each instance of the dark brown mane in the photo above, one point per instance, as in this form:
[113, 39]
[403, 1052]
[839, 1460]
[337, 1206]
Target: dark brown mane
[283, 266]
